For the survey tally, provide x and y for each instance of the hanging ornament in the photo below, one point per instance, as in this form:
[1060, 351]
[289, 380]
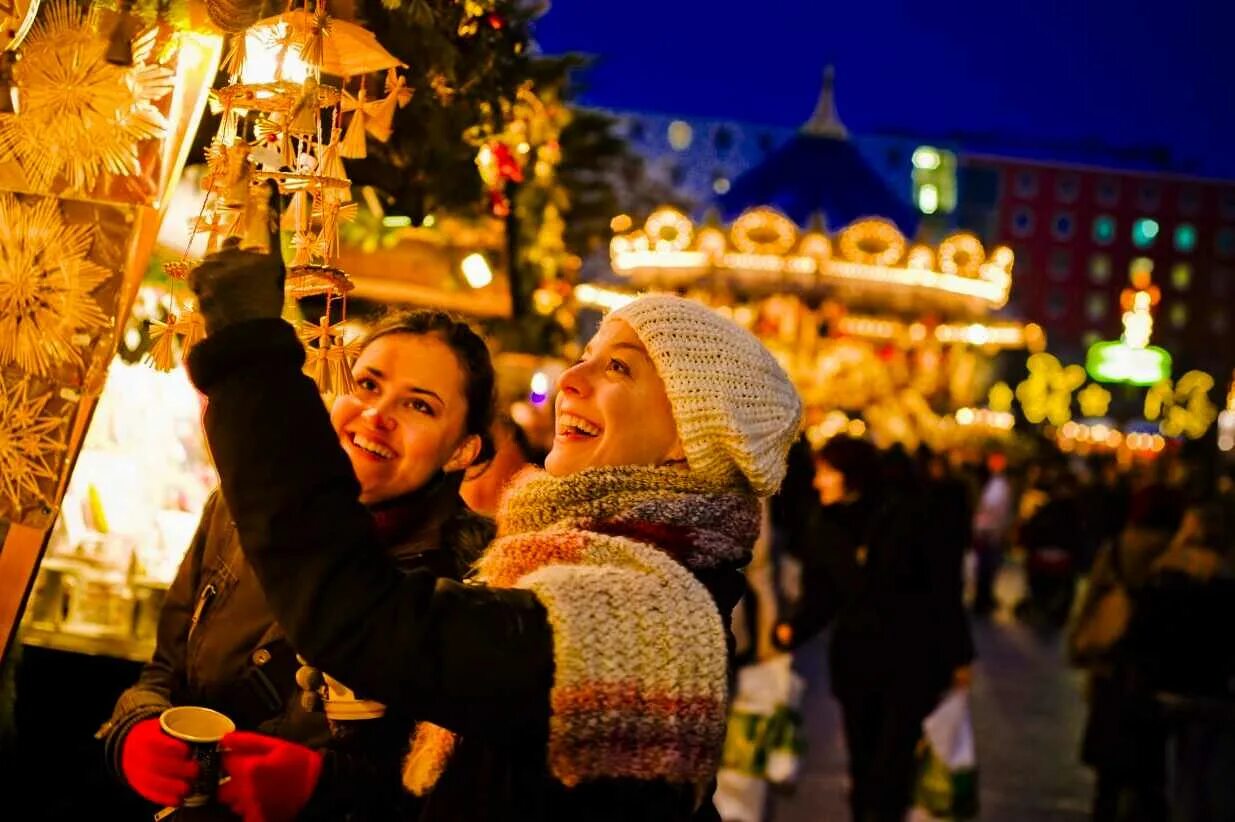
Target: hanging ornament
[192, 329]
[31, 447]
[237, 53]
[82, 116]
[353, 145]
[46, 286]
[162, 353]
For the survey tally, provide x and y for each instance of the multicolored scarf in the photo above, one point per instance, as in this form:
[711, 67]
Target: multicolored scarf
[639, 685]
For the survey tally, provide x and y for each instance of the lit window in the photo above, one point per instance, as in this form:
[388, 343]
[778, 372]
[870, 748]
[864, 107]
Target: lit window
[1067, 187]
[721, 185]
[1100, 269]
[1022, 222]
[1140, 265]
[934, 180]
[926, 158]
[1096, 305]
[1056, 304]
[1026, 184]
[1144, 232]
[1225, 242]
[1181, 276]
[1061, 264]
[1063, 227]
[1150, 197]
[1104, 229]
[1179, 315]
[1189, 200]
[1185, 237]
[1108, 191]
[680, 135]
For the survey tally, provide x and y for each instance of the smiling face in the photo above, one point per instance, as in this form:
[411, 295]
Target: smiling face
[612, 408]
[405, 420]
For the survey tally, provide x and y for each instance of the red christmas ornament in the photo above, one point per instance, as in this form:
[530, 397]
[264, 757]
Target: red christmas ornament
[508, 167]
[498, 203]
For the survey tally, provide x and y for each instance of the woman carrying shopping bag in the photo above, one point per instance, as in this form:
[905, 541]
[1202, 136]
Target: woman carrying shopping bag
[876, 570]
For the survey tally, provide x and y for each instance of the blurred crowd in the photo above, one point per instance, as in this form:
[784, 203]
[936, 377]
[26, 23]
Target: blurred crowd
[1129, 564]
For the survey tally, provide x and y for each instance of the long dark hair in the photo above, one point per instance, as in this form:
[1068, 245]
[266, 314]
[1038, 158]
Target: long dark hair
[473, 355]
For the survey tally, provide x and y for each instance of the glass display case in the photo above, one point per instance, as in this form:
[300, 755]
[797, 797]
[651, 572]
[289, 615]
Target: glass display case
[129, 513]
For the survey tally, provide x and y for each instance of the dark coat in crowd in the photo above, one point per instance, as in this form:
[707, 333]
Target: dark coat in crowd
[887, 578]
[476, 660]
[218, 645]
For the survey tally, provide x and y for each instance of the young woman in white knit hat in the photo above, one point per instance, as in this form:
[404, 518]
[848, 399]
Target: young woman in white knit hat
[582, 674]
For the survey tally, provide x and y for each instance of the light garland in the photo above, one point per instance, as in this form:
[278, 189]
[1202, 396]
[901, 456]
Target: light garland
[873, 242]
[669, 230]
[764, 230]
[764, 248]
[961, 254]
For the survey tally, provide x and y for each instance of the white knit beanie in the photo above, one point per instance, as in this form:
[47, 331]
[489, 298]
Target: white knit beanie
[736, 411]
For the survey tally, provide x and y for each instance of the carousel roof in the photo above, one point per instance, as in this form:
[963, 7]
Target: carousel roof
[819, 172]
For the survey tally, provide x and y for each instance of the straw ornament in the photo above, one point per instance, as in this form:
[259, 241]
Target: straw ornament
[31, 447]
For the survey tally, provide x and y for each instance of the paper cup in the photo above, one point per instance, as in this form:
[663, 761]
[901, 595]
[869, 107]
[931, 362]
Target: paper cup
[201, 729]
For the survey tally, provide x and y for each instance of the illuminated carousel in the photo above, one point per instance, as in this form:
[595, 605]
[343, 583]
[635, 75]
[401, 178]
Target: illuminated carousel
[882, 334]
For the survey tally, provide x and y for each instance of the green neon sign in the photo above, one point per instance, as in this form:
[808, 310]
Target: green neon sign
[1120, 362]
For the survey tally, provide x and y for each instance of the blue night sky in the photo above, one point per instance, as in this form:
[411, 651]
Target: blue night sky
[1122, 72]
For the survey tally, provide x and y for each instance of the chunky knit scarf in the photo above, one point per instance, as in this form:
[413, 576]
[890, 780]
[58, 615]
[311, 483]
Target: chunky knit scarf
[639, 685]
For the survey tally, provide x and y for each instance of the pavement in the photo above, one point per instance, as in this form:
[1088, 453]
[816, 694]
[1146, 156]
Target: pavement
[1028, 712]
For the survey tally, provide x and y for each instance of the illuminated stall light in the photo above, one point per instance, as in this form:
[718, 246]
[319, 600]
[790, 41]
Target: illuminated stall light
[476, 270]
[605, 299]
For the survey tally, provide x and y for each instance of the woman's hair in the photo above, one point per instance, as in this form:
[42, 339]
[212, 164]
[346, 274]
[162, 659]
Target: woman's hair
[858, 462]
[479, 388]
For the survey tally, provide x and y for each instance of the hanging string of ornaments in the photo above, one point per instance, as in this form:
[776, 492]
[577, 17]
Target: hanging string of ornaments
[284, 124]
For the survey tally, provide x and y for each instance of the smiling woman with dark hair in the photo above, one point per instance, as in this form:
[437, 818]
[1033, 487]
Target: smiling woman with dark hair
[418, 416]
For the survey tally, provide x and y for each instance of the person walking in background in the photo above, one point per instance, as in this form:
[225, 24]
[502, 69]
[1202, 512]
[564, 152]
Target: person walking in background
[992, 523]
[1054, 539]
[1124, 735]
[878, 570]
[418, 416]
[583, 674]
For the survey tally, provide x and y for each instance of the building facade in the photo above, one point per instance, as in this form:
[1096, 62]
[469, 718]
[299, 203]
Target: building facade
[1079, 233]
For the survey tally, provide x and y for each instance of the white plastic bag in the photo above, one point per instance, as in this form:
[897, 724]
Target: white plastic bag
[764, 740]
[946, 786]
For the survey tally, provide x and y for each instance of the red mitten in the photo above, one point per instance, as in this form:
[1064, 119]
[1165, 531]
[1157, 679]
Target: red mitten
[271, 779]
[158, 767]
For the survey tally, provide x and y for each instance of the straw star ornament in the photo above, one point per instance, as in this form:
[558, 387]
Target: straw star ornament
[81, 116]
[30, 446]
[45, 286]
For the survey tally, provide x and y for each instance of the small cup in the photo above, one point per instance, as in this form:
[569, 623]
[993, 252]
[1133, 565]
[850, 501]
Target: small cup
[202, 729]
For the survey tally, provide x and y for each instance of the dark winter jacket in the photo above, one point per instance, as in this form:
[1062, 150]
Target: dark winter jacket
[219, 646]
[888, 580]
[477, 661]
